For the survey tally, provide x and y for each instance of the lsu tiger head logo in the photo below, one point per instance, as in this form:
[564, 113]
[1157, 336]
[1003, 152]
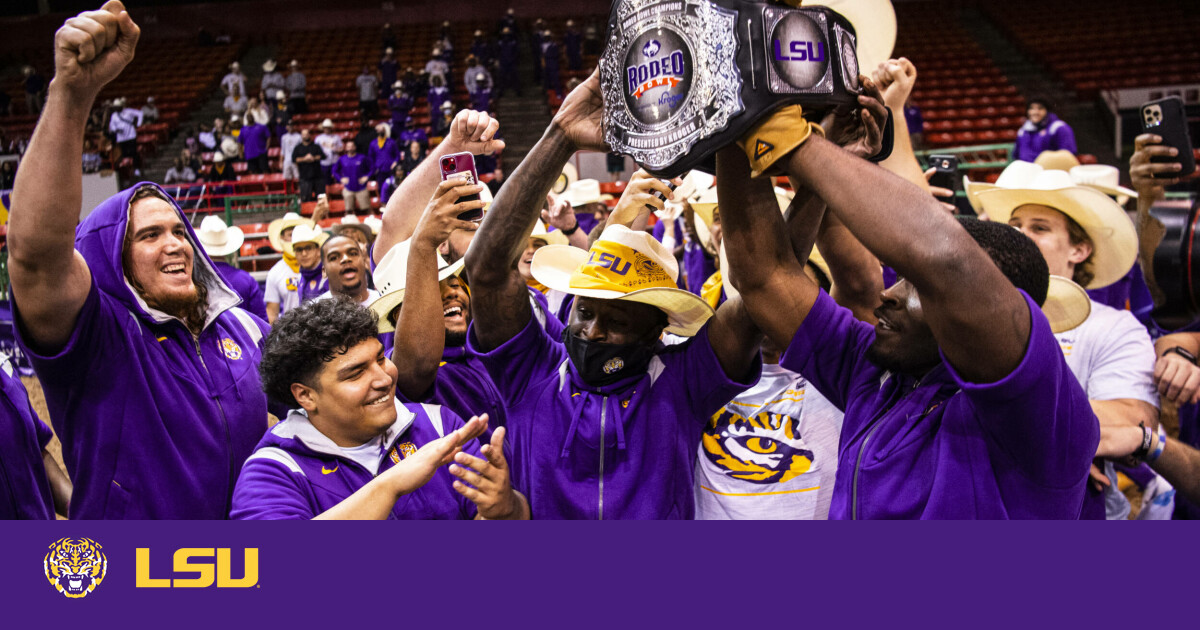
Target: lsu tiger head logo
[75, 566]
[614, 365]
[232, 350]
[764, 448]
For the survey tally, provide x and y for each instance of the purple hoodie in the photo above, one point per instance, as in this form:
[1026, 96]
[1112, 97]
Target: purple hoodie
[352, 167]
[296, 472]
[940, 447]
[313, 282]
[1052, 134]
[382, 158]
[254, 138]
[24, 488]
[245, 286]
[154, 423]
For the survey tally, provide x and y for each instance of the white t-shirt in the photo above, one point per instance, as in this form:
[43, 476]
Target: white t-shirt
[283, 287]
[770, 453]
[372, 295]
[331, 145]
[1112, 356]
[232, 79]
[124, 124]
[287, 144]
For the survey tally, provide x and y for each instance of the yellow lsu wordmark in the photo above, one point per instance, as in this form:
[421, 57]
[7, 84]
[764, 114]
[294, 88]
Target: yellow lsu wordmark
[206, 572]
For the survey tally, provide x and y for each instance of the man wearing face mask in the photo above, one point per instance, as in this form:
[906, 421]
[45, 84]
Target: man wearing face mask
[605, 420]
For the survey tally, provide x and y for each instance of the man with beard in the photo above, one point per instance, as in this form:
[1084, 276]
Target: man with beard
[150, 371]
[346, 268]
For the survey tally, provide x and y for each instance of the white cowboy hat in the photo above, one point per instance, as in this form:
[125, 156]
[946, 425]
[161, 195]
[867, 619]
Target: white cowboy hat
[326, 123]
[646, 273]
[276, 228]
[874, 24]
[218, 157]
[1114, 241]
[692, 185]
[1102, 177]
[350, 221]
[389, 50]
[218, 239]
[235, 65]
[1016, 175]
[568, 176]
[269, 65]
[1060, 160]
[555, 237]
[390, 275]
[704, 204]
[373, 222]
[385, 128]
[305, 233]
[280, 95]
[582, 192]
[398, 85]
[1067, 304]
[294, 63]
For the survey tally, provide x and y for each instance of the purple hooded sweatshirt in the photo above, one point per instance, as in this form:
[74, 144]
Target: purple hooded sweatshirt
[353, 168]
[382, 159]
[24, 488]
[940, 447]
[1052, 134]
[698, 266]
[245, 286]
[622, 451]
[298, 473]
[154, 423]
[313, 282]
[254, 138]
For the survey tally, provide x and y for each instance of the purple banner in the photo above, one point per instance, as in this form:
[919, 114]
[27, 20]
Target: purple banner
[568, 575]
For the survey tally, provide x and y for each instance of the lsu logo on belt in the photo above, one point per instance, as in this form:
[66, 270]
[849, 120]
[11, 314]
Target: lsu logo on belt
[199, 561]
[75, 566]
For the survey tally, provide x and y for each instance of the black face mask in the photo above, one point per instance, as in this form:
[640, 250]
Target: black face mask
[601, 364]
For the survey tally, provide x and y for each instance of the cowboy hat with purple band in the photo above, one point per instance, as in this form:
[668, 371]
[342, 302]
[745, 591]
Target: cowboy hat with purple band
[683, 78]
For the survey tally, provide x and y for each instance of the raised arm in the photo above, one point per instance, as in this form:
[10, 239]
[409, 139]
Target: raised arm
[50, 280]
[420, 331]
[499, 302]
[896, 78]
[471, 131]
[980, 320]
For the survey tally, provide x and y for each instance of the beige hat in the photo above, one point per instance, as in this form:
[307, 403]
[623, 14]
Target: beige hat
[1015, 175]
[269, 65]
[704, 204]
[218, 239]
[623, 265]
[385, 129]
[276, 228]
[874, 24]
[1067, 304]
[305, 233]
[398, 85]
[389, 50]
[569, 176]
[294, 64]
[692, 185]
[350, 222]
[1105, 178]
[583, 192]
[555, 237]
[1060, 160]
[280, 95]
[1114, 241]
[390, 275]
[218, 157]
[234, 66]
[373, 222]
[327, 123]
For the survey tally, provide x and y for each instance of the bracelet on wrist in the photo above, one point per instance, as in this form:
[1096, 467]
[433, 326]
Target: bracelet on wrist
[1143, 450]
[1160, 443]
[574, 229]
[1179, 350]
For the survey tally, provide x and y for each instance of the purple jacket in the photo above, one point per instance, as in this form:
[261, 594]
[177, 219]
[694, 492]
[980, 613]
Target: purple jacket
[254, 138]
[352, 167]
[24, 488]
[154, 423]
[435, 98]
[624, 451]
[313, 282]
[939, 447]
[1051, 134]
[296, 472]
[416, 133]
[383, 158]
[245, 286]
[399, 106]
[698, 266]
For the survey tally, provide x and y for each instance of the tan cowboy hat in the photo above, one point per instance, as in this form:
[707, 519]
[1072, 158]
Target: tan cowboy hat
[623, 265]
[305, 233]
[1114, 241]
[218, 239]
[390, 275]
[582, 192]
[569, 176]
[351, 222]
[269, 65]
[1105, 178]
[874, 24]
[276, 228]
[555, 237]
[1060, 160]
[1016, 175]
[705, 204]
[1067, 304]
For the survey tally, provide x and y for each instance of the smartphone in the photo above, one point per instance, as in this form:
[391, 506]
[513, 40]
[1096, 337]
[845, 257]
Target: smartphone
[945, 172]
[1167, 118]
[462, 165]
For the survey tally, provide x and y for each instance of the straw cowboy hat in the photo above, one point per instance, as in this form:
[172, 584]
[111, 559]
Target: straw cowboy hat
[218, 239]
[1067, 304]
[390, 275]
[1060, 160]
[276, 228]
[704, 204]
[540, 233]
[1114, 240]
[351, 222]
[623, 265]
[1015, 175]
[874, 24]
[305, 233]
[269, 65]
[569, 176]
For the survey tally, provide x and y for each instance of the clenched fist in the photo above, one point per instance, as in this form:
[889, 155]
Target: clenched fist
[92, 48]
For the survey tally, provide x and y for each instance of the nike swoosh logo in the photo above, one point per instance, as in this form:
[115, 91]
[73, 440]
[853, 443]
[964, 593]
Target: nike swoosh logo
[326, 471]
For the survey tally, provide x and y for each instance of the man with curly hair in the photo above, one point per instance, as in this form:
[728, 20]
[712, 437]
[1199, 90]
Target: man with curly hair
[349, 449]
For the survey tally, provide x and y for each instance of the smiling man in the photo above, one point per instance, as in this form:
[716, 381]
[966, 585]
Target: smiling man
[149, 368]
[349, 449]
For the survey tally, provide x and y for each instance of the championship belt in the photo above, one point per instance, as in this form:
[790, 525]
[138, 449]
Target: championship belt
[683, 78]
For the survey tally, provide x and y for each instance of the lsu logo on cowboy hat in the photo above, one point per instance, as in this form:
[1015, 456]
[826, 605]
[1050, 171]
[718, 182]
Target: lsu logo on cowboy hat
[209, 566]
[75, 566]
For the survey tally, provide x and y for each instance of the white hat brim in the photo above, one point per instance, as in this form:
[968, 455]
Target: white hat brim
[390, 300]
[234, 237]
[553, 266]
[1114, 240]
[1067, 305]
[972, 190]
